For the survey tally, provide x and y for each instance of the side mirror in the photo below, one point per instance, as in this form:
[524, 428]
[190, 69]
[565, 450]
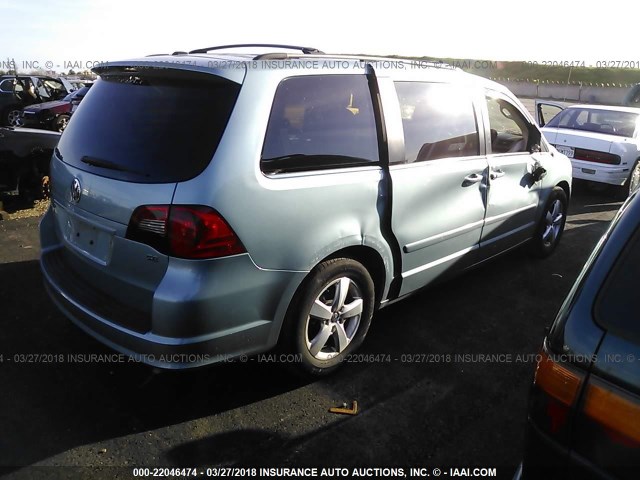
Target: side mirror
[535, 148]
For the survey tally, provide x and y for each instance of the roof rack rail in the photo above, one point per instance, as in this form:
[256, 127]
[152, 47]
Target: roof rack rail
[179, 52]
[364, 58]
[305, 50]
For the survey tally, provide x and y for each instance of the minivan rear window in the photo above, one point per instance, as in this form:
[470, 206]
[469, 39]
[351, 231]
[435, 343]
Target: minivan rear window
[149, 128]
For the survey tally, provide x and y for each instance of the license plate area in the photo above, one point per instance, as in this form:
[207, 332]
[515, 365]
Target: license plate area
[590, 171]
[84, 236]
[567, 151]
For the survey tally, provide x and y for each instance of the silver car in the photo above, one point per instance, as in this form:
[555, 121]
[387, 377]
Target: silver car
[209, 205]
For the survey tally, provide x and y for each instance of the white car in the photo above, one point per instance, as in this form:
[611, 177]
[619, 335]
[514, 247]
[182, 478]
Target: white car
[603, 142]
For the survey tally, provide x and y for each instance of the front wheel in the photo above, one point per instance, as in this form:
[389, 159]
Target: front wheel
[551, 225]
[60, 123]
[13, 117]
[330, 315]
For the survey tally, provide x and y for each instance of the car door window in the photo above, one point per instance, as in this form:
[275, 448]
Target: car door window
[26, 91]
[318, 122]
[42, 90]
[547, 112]
[510, 131]
[438, 121]
[55, 88]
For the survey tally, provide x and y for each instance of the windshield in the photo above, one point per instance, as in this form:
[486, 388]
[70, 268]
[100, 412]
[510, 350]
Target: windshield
[149, 128]
[611, 122]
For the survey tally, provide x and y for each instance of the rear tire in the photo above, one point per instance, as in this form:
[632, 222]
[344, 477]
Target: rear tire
[632, 183]
[551, 224]
[329, 316]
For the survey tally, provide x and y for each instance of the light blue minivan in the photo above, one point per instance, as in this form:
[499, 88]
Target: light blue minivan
[209, 205]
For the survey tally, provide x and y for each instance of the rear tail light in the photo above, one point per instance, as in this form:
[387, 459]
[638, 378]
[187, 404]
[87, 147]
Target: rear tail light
[555, 392]
[596, 157]
[614, 410]
[557, 380]
[184, 231]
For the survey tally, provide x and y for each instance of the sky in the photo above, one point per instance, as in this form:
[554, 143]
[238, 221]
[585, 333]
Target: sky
[65, 33]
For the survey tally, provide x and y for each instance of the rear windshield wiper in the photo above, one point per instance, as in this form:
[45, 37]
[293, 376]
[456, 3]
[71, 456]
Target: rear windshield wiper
[98, 162]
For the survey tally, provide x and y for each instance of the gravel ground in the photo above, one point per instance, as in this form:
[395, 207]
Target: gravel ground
[14, 209]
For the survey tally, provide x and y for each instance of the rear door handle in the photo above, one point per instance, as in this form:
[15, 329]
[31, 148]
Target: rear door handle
[471, 179]
[496, 174]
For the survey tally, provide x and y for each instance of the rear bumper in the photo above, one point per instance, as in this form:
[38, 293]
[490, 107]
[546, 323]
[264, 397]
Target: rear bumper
[202, 312]
[596, 172]
[546, 459]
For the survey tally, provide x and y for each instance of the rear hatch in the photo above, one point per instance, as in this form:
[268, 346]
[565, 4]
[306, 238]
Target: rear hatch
[594, 145]
[584, 409]
[567, 140]
[138, 132]
[607, 426]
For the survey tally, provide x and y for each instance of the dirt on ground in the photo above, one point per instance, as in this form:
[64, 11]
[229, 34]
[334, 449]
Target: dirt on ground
[14, 209]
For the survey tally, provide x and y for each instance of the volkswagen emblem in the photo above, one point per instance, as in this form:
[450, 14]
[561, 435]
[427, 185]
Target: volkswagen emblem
[76, 190]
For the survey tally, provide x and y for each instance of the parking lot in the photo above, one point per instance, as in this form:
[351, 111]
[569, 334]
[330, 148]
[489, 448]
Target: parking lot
[441, 381]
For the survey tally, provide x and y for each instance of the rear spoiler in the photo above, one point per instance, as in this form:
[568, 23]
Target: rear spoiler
[167, 65]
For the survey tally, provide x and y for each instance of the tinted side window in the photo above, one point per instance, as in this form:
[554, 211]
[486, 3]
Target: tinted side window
[321, 121]
[438, 121]
[509, 128]
[617, 304]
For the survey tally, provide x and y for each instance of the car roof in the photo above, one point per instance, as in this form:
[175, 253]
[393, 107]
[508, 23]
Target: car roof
[613, 108]
[21, 75]
[199, 60]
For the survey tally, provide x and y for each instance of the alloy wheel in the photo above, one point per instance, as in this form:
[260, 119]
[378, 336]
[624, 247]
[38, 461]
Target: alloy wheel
[334, 319]
[634, 181]
[14, 118]
[62, 123]
[553, 222]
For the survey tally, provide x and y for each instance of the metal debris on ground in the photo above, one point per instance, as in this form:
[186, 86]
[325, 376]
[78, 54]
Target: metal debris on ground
[344, 410]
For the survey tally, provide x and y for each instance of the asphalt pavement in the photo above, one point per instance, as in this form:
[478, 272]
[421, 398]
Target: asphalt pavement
[442, 379]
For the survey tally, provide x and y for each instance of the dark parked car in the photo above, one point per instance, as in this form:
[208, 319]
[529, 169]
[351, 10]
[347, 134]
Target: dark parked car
[20, 91]
[24, 161]
[584, 410]
[53, 115]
